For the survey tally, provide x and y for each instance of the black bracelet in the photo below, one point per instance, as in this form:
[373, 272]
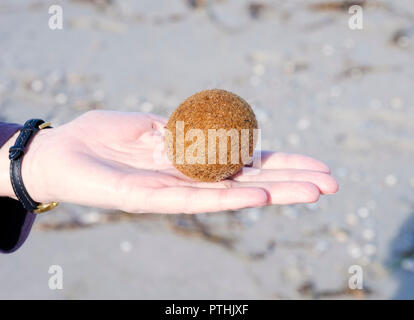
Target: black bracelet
[16, 153]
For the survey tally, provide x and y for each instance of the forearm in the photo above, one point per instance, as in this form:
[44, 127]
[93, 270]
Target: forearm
[15, 221]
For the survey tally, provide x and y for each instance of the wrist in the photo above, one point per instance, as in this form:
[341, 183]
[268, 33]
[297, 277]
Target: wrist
[34, 167]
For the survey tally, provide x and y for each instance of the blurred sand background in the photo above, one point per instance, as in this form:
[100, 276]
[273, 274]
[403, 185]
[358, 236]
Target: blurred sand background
[318, 88]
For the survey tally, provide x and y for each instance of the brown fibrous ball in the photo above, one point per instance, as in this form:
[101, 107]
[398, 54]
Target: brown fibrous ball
[211, 109]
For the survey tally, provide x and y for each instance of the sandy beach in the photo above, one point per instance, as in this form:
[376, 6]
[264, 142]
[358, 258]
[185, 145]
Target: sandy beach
[317, 87]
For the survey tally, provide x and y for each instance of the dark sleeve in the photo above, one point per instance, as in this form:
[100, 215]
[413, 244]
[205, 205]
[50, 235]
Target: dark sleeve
[15, 222]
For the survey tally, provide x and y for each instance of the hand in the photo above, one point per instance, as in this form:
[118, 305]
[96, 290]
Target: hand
[106, 159]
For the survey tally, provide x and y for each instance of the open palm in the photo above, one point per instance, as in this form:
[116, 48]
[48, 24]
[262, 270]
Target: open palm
[116, 160]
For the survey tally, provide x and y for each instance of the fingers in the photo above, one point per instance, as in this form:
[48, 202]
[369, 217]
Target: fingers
[197, 197]
[194, 200]
[278, 160]
[325, 182]
[285, 192]
[289, 192]
[283, 179]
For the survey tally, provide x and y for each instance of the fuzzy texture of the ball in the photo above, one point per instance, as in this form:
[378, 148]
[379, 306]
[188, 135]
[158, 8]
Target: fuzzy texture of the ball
[212, 109]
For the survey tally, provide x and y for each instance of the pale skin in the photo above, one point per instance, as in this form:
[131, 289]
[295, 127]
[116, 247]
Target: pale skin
[105, 159]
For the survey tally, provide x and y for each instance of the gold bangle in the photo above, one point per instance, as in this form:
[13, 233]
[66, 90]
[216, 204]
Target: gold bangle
[44, 207]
